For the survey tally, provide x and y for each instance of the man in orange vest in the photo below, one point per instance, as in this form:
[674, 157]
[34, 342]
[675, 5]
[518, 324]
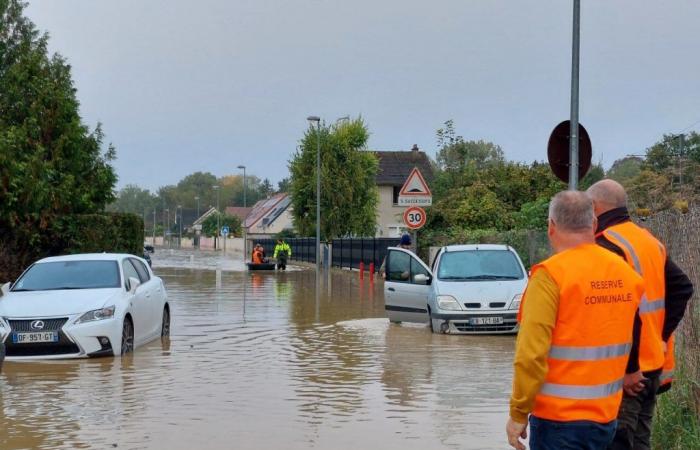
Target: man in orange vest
[667, 290]
[576, 319]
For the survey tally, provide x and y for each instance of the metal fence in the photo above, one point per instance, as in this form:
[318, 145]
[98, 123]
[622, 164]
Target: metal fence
[303, 249]
[350, 252]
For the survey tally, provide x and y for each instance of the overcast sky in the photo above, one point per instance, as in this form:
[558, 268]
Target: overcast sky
[182, 86]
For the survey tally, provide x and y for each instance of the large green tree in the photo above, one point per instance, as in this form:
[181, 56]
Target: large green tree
[134, 200]
[51, 164]
[349, 194]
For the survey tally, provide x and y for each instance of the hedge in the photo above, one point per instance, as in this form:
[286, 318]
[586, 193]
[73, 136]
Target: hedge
[85, 233]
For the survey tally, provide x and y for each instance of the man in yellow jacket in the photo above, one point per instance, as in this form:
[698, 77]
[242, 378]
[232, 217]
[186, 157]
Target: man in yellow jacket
[576, 319]
[282, 252]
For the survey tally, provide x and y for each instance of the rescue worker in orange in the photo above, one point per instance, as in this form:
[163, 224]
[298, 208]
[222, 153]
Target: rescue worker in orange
[667, 289]
[576, 320]
[258, 255]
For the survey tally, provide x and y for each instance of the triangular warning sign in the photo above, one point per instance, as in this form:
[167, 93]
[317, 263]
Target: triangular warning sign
[415, 185]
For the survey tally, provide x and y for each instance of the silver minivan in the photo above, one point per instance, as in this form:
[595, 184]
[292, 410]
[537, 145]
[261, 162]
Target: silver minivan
[470, 289]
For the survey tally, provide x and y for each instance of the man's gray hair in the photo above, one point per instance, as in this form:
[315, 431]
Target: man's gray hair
[572, 211]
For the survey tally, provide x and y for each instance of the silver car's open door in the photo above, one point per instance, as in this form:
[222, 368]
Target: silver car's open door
[406, 286]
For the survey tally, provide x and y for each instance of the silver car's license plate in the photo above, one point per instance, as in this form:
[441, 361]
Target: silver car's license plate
[31, 338]
[486, 321]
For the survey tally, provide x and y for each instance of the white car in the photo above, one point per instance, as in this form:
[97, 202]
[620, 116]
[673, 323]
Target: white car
[83, 305]
[472, 289]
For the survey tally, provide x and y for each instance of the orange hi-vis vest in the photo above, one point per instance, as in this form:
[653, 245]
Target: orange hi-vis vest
[669, 365]
[592, 337]
[647, 256]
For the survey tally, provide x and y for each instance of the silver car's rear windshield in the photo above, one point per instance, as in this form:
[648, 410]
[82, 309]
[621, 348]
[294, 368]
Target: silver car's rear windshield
[479, 265]
[69, 275]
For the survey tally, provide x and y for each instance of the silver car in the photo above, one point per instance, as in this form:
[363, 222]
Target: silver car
[471, 289]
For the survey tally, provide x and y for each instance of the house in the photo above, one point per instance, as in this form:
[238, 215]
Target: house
[238, 211]
[269, 217]
[394, 168]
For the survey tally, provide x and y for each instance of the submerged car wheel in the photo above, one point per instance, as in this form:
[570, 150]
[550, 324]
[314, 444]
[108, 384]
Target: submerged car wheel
[127, 336]
[165, 327]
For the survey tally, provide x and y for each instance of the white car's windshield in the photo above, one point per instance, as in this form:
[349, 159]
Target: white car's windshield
[479, 265]
[69, 275]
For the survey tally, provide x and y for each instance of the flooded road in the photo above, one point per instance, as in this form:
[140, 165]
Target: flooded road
[257, 363]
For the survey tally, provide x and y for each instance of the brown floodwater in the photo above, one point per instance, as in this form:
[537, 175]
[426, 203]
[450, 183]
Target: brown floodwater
[255, 361]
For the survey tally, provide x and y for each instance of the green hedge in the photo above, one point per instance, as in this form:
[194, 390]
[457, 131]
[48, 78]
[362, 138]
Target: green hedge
[85, 233]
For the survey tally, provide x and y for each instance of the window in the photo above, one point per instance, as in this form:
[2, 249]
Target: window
[141, 269]
[398, 267]
[417, 269]
[395, 197]
[129, 272]
[69, 275]
[479, 265]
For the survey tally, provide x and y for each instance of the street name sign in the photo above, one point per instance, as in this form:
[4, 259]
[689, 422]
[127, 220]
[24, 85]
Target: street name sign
[415, 191]
[414, 217]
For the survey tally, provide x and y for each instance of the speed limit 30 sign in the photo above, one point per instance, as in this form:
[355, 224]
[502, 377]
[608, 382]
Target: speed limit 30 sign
[414, 217]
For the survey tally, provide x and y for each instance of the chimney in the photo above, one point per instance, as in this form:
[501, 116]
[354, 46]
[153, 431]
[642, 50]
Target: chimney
[414, 149]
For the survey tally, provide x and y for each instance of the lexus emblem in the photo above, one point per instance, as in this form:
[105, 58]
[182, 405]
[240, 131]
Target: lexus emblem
[37, 325]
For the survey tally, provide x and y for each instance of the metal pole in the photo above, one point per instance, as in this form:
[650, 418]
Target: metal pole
[244, 189]
[154, 227]
[318, 200]
[573, 133]
[179, 239]
[681, 145]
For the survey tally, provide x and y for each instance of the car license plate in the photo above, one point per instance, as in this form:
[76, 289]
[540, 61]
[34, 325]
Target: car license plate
[486, 321]
[32, 338]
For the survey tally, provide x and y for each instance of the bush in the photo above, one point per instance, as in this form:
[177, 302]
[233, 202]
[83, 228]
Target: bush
[78, 233]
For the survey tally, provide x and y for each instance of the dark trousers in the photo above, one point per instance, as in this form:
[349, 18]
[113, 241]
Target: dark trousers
[574, 435]
[634, 419]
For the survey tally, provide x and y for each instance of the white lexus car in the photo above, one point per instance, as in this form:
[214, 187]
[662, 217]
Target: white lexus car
[471, 289]
[83, 305]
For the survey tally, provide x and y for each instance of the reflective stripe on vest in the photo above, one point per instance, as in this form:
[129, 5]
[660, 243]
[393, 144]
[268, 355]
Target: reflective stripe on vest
[576, 392]
[649, 306]
[666, 376]
[589, 353]
[630, 249]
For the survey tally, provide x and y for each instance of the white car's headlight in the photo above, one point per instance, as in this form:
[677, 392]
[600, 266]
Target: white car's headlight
[97, 314]
[515, 304]
[447, 302]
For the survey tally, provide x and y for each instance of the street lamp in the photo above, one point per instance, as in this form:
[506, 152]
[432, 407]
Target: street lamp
[179, 239]
[196, 199]
[244, 187]
[167, 212]
[218, 218]
[317, 120]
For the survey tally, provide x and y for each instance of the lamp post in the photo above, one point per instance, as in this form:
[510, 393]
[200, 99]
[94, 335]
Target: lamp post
[244, 186]
[573, 130]
[179, 238]
[317, 120]
[154, 228]
[218, 219]
[167, 211]
[196, 199]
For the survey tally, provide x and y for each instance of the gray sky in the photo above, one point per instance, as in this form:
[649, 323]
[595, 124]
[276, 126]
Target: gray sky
[182, 86]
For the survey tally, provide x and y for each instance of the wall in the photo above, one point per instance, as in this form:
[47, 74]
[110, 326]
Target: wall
[205, 243]
[388, 215]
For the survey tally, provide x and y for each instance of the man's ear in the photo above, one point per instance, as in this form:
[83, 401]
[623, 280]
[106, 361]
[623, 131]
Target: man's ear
[595, 224]
[551, 226]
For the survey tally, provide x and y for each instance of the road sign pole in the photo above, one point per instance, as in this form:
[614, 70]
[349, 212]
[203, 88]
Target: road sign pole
[573, 134]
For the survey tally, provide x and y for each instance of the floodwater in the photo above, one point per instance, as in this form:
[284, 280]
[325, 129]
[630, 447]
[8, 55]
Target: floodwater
[256, 362]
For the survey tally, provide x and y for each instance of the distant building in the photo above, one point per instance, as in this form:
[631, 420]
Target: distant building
[238, 211]
[394, 168]
[269, 217]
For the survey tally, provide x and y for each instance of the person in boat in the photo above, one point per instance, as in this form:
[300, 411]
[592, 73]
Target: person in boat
[257, 255]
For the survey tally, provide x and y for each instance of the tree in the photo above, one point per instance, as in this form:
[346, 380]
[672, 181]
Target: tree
[51, 164]
[284, 185]
[266, 188]
[625, 169]
[349, 194]
[455, 153]
[133, 199]
[209, 226]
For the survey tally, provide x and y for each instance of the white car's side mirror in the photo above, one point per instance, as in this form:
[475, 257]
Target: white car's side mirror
[5, 289]
[134, 283]
[421, 279]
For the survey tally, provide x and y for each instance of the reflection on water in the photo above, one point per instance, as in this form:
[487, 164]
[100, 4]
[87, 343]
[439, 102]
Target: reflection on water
[260, 363]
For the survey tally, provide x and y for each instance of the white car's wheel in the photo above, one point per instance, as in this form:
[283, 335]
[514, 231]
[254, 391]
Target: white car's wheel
[165, 326]
[127, 336]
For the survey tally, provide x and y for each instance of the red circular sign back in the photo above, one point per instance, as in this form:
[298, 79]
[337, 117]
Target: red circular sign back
[414, 217]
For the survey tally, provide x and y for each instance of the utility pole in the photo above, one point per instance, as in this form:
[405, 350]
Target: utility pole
[179, 238]
[317, 120]
[154, 227]
[218, 219]
[573, 133]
